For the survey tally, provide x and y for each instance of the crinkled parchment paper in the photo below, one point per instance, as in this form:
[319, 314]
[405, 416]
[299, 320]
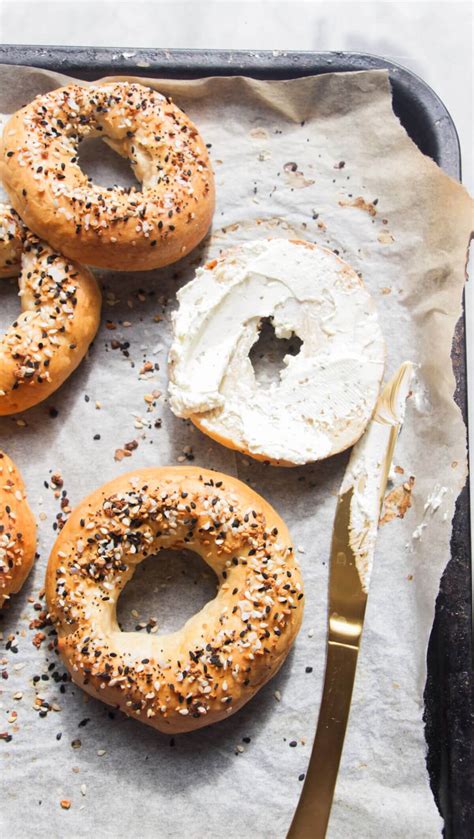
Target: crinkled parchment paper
[324, 158]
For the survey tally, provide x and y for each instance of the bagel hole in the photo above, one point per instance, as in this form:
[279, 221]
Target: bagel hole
[104, 166]
[168, 588]
[268, 353]
[9, 303]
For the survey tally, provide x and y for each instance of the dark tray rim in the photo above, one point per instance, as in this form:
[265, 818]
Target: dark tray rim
[411, 95]
[93, 62]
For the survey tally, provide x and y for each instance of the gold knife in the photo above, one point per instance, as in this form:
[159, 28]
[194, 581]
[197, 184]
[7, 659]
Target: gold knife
[352, 552]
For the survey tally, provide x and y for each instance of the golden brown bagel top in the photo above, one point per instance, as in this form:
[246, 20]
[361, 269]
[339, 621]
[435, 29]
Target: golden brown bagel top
[60, 303]
[225, 652]
[118, 228]
[17, 530]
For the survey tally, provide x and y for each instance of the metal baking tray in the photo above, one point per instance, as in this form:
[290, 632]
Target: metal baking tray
[450, 682]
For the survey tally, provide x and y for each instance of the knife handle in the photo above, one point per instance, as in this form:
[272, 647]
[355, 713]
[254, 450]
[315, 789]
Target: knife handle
[312, 814]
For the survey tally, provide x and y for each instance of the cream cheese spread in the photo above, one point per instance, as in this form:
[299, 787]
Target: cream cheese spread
[368, 467]
[325, 395]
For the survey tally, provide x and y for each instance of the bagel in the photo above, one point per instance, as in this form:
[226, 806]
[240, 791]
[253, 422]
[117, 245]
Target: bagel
[17, 530]
[224, 653]
[61, 311]
[118, 228]
[325, 395]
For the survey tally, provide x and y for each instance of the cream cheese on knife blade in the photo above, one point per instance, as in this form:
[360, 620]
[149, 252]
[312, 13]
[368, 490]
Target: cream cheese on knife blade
[368, 469]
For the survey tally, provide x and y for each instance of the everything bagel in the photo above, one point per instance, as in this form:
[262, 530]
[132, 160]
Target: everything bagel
[17, 530]
[223, 654]
[60, 303]
[117, 228]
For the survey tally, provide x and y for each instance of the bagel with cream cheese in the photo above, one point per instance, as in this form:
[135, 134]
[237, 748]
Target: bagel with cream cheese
[60, 316]
[17, 530]
[325, 395]
[217, 661]
[123, 229]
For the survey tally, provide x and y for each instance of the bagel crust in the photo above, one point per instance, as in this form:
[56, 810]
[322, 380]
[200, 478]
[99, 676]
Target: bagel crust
[17, 530]
[218, 660]
[324, 395]
[119, 228]
[61, 312]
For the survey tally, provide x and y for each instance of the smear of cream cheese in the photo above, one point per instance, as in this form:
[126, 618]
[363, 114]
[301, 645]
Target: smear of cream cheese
[432, 505]
[435, 499]
[325, 395]
[367, 470]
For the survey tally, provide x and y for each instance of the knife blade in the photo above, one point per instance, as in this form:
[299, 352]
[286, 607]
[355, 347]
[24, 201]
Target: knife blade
[352, 552]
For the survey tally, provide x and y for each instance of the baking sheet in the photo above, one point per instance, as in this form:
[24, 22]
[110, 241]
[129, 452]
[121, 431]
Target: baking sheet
[408, 237]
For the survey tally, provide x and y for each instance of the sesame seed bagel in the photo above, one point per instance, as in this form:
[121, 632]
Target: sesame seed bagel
[60, 316]
[118, 228]
[218, 660]
[17, 530]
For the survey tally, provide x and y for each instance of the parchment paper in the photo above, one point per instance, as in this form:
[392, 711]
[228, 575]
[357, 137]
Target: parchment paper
[243, 777]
